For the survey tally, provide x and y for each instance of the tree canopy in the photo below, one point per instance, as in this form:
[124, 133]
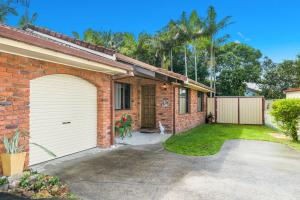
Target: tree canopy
[192, 45]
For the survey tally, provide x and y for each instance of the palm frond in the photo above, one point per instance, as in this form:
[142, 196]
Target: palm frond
[44, 148]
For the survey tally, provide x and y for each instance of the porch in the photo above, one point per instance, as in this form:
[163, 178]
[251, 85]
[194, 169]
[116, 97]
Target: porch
[139, 138]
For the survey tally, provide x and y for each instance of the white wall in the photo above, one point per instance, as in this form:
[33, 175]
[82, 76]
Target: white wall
[292, 95]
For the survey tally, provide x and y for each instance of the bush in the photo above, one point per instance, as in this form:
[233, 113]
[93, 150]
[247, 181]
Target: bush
[286, 113]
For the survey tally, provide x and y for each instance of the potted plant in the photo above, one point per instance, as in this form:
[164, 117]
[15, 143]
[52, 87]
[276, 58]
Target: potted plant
[210, 118]
[3, 183]
[124, 126]
[14, 158]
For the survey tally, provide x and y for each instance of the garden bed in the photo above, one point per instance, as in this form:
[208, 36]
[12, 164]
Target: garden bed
[35, 185]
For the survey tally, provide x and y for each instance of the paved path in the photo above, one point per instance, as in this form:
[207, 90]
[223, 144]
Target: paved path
[243, 170]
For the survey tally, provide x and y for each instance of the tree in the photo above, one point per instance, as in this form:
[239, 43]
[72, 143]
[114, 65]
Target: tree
[26, 19]
[236, 64]
[277, 77]
[189, 29]
[212, 28]
[6, 9]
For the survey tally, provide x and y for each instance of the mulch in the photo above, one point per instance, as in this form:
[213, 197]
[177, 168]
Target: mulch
[7, 196]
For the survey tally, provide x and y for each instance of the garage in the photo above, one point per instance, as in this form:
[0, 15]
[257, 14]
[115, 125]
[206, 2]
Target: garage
[63, 116]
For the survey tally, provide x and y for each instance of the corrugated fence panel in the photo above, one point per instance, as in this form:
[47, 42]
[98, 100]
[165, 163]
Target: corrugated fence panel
[251, 111]
[211, 105]
[227, 110]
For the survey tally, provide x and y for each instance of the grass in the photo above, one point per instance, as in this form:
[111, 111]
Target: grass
[208, 139]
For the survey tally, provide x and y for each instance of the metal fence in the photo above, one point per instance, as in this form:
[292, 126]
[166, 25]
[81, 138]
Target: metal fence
[237, 110]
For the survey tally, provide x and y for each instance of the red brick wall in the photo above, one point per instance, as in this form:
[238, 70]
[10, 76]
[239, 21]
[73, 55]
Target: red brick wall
[15, 75]
[163, 114]
[191, 119]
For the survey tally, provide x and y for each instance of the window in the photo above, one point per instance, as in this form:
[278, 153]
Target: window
[122, 96]
[200, 101]
[184, 101]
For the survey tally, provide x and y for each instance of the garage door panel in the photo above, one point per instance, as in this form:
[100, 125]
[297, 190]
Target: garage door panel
[56, 99]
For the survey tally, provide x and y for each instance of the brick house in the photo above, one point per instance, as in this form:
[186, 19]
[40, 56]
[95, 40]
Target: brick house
[68, 93]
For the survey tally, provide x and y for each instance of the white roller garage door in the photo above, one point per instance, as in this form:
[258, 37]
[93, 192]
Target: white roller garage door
[63, 116]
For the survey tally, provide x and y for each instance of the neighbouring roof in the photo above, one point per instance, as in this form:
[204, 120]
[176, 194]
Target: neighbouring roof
[292, 90]
[253, 86]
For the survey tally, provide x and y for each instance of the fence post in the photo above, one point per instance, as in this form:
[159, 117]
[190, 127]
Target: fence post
[263, 111]
[216, 110]
[238, 110]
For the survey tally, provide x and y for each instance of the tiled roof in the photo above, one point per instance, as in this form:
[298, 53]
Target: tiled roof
[71, 39]
[29, 38]
[132, 61]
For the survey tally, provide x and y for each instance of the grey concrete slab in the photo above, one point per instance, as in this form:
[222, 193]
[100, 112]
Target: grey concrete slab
[143, 138]
[243, 170]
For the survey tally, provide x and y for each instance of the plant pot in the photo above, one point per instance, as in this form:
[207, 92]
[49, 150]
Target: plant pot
[4, 187]
[13, 164]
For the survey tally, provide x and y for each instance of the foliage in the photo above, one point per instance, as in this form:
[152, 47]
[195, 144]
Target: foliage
[237, 64]
[27, 20]
[124, 126]
[43, 186]
[286, 113]
[177, 46]
[209, 118]
[212, 30]
[6, 9]
[208, 139]
[278, 77]
[12, 145]
[3, 180]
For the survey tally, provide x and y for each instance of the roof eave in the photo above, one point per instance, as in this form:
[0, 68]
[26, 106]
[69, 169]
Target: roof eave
[19, 43]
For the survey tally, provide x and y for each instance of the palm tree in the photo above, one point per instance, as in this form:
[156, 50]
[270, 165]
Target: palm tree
[6, 9]
[189, 29]
[212, 28]
[27, 20]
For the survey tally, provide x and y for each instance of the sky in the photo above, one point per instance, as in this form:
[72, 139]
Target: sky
[272, 26]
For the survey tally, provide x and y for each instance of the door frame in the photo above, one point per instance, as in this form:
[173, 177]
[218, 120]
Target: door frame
[141, 105]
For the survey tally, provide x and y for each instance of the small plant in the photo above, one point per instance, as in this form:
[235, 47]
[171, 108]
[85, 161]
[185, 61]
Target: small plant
[286, 113]
[12, 145]
[124, 126]
[3, 180]
[43, 186]
[210, 118]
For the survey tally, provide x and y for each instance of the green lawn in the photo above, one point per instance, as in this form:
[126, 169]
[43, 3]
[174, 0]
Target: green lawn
[208, 139]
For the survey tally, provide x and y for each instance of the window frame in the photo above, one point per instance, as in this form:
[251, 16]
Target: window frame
[123, 95]
[202, 101]
[187, 100]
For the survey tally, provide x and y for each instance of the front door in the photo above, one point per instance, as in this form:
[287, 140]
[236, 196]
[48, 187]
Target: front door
[148, 107]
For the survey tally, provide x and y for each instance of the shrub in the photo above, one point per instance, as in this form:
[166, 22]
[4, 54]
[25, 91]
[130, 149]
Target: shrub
[286, 113]
[3, 180]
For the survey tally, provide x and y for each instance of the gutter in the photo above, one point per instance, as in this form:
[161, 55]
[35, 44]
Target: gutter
[198, 87]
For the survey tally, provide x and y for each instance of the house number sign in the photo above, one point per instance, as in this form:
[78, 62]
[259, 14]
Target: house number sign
[165, 102]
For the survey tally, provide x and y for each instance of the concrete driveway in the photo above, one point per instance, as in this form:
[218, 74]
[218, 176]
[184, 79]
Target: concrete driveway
[242, 170]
